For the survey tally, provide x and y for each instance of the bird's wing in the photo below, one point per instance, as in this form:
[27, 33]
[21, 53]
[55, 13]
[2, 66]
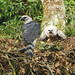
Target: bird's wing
[31, 33]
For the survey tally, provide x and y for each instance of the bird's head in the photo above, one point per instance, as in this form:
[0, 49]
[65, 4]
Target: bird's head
[51, 31]
[26, 19]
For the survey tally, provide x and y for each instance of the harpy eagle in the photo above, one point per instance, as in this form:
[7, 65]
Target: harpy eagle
[51, 31]
[30, 33]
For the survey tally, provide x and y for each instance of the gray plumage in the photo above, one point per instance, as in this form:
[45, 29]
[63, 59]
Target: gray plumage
[30, 32]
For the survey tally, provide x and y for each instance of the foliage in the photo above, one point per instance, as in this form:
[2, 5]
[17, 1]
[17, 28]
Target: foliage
[12, 10]
[50, 47]
[70, 17]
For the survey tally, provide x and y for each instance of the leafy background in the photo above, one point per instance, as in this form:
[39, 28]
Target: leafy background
[12, 10]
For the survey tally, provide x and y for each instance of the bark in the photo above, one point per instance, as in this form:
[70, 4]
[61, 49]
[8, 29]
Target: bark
[54, 14]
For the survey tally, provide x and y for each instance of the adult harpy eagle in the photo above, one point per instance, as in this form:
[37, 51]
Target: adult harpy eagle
[30, 33]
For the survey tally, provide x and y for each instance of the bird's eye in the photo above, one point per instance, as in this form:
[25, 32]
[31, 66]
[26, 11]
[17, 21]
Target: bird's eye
[48, 30]
[25, 17]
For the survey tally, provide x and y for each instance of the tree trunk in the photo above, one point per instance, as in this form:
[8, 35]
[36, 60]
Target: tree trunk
[54, 14]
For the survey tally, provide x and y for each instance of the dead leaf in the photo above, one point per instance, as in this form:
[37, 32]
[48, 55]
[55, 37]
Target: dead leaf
[48, 40]
[58, 71]
[57, 64]
[23, 70]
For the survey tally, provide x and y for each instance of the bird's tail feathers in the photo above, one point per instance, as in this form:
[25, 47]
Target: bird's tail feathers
[29, 50]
